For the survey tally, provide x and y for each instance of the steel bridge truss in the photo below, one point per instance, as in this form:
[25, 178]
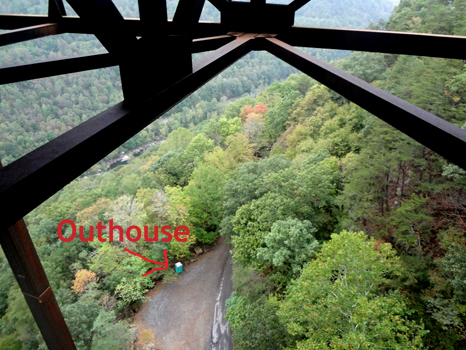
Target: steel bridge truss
[157, 72]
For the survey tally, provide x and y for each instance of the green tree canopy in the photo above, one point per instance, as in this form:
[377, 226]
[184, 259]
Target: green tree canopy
[338, 302]
[177, 139]
[290, 244]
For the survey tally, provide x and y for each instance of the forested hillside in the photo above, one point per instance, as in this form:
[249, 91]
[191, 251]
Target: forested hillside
[346, 233]
[343, 14]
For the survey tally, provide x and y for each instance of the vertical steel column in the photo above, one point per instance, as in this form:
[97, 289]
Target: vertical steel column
[153, 16]
[30, 275]
[153, 45]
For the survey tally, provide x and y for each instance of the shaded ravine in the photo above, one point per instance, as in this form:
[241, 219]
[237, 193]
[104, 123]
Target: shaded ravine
[188, 314]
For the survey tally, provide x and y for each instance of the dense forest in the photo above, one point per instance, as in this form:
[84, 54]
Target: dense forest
[346, 233]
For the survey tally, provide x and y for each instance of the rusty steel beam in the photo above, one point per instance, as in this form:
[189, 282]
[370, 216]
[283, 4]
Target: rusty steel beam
[13, 21]
[433, 45]
[209, 44]
[75, 24]
[420, 44]
[51, 68]
[63, 159]
[29, 33]
[446, 139]
[133, 26]
[30, 275]
[202, 29]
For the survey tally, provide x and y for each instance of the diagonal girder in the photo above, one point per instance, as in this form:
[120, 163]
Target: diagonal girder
[105, 21]
[29, 33]
[446, 46]
[56, 9]
[295, 5]
[81, 147]
[107, 24]
[187, 14]
[219, 4]
[446, 139]
[51, 68]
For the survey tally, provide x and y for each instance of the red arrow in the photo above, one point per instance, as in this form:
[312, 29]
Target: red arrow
[152, 261]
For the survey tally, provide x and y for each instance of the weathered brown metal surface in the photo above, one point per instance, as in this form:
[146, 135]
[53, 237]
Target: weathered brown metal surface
[81, 147]
[433, 45]
[52, 68]
[436, 133]
[30, 275]
[29, 33]
[152, 84]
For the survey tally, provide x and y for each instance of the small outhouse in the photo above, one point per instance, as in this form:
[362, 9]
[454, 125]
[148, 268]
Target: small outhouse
[178, 267]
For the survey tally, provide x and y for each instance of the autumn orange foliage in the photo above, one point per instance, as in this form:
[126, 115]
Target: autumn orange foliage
[258, 110]
[83, 278]
[252, 116]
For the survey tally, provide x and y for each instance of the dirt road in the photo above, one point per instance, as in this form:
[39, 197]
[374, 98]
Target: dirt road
[188, 313]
